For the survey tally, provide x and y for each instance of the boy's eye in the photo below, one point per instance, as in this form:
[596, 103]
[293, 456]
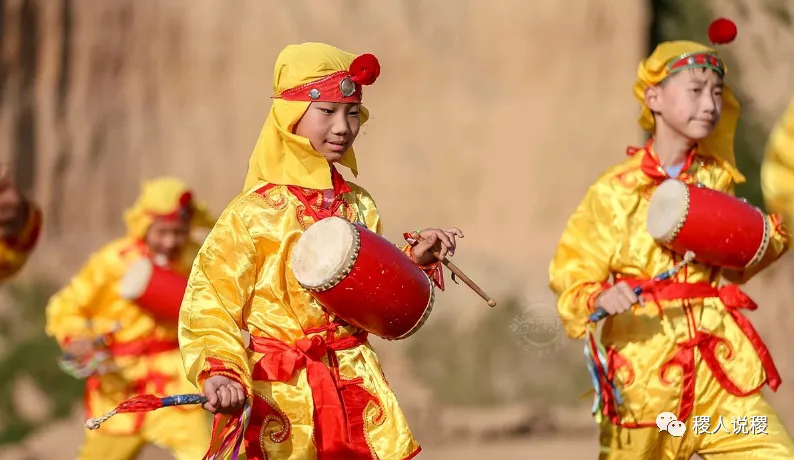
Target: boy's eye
[327, 111]
[696, 90]
[353, 113]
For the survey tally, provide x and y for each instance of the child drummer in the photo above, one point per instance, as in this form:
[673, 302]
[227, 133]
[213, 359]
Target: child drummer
[20, 226]
[657, 352]
[777, 169]
[143, 345]
[242, 280]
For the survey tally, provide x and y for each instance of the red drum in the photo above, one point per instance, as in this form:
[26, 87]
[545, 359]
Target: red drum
[719, 228]
[362, 278]
[154, 288]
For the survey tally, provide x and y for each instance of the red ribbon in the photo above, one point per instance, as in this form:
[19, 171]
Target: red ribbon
[281, 362]
[734, 300]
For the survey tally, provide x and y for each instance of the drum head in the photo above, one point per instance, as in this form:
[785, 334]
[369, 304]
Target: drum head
[136, 280]
[667, 210]
[324, 252]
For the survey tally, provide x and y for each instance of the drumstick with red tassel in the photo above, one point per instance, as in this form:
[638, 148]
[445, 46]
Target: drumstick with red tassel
[600, 314]
[413, 239]
[146, 403]
[231, 436]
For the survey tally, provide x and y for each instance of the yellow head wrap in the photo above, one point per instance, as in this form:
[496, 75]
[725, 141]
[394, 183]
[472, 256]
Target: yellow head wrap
[777, 169]
[719, 144]
[159, 197]
[281, 157]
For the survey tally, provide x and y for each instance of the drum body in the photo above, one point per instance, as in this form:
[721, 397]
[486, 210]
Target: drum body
[154, 288]
[719, 228]
[362, 278]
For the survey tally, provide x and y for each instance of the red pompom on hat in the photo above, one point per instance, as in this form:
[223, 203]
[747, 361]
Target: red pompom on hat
[722, 31]
[365, 69]
[185, 199]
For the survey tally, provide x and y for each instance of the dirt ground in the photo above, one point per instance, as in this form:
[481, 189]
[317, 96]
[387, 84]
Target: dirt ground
[576, 448]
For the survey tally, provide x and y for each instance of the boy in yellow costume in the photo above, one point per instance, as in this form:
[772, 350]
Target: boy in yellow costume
[689, 350]
[144, 350]
[777, 169]
[20, 226]
[301, 406]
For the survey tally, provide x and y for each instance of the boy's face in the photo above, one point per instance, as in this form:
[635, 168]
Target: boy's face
[331, 127]
[689, 102]
[167, 238]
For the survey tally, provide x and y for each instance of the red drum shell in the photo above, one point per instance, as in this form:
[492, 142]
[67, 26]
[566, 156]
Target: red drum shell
[156, 289]
[719, 228]
[376, 288]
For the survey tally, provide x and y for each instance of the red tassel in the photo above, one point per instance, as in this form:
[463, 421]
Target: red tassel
[142, 403]
[722, 31]
[365, 69]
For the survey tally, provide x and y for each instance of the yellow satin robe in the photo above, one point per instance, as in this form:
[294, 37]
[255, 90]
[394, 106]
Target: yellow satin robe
[242, 280]
[606, 236]
[777, 168]
[90, 306]
[14, 252]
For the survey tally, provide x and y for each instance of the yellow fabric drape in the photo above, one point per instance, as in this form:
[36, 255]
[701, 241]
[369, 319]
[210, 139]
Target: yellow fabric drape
[719, 144]
[280, 156]
[777, 169]
[161, 196]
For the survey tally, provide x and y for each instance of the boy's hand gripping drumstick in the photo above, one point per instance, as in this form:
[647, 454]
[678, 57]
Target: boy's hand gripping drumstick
[413, 239]
[600, 314]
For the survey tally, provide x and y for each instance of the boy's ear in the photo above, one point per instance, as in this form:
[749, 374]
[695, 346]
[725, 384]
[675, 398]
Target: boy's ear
[653, 98]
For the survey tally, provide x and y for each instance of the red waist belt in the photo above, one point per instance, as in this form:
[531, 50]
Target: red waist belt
[281, 362]
[734, 300]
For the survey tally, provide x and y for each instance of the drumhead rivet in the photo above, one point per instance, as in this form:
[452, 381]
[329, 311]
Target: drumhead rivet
[314, 93]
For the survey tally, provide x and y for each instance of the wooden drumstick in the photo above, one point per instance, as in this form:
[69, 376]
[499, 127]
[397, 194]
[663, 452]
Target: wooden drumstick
[459, 273]
[413, 240]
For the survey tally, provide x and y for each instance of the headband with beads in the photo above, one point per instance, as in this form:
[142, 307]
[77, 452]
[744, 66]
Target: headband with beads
[343, 86]
[721, 32]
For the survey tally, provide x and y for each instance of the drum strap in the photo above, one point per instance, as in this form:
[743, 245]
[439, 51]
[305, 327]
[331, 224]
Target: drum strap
[323, 212]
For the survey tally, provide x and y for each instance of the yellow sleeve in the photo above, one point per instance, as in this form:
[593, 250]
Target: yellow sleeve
[580, 268]
[220, 287]
[777, 168]
[69, 311]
